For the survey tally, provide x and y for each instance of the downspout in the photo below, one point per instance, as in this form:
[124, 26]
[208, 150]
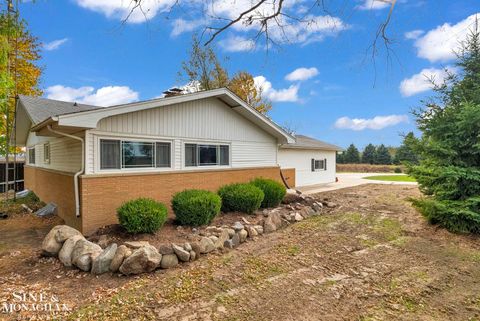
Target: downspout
[77, 174]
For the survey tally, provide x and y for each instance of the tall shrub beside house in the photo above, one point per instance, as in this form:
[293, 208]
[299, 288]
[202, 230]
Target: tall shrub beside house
[449, 150]
[196, 207]
[273, 191]
[241, 197]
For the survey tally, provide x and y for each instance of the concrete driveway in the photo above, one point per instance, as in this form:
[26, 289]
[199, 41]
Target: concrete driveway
[349, 180]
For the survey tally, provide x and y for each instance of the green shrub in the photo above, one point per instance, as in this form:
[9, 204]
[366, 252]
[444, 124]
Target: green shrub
[397, 170]
[274, 191]
[196, 207]
[142, 215]
[245, 198]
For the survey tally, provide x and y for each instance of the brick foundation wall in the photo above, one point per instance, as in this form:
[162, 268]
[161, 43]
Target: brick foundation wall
[57, 187]
[103, 194]
[289, 175]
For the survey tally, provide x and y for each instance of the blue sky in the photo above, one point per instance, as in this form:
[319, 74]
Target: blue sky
[322, 82]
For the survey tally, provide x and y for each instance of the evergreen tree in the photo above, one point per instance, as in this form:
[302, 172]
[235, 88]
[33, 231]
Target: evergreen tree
[351, 155]
[340, 158]
[405, 153]
[368, 155]
[449, 149]
[382, 156]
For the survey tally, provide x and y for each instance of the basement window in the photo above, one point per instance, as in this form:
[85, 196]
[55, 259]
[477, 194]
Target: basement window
[207, 155]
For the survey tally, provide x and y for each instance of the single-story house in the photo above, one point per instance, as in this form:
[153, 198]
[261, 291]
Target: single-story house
[89, 160]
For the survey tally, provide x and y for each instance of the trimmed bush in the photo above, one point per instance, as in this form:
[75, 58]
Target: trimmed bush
[142, 215]
[274, 191]
[397, 170]
[196, 207]
[245, 198]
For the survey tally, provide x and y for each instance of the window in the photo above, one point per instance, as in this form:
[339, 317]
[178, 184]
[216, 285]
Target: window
[319, 165]
[118, 154]
[206, 155]
[46, 153]
[31, 155]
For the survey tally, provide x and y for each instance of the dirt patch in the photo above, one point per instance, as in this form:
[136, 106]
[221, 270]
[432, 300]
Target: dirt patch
[371, 258]
[368, 168]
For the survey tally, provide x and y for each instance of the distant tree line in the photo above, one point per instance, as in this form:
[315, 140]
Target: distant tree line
[380, 154]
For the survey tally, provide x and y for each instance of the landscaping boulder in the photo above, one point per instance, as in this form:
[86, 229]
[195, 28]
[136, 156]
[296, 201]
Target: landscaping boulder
[187, 247]
[196, 248]
[228, 244]
[181, 253]
[242, 235]
[144, 259]
[222, 237]
[231, 232]
[121, 254]
[193, 255]
[235, 240]
[52, 243]
[272, 222]
[83, 253]
[259, 229]
[136, 244]
[65, 254]
[298, 217]
[206, 245]
[251, 231]
[237, 226]
[101, 264]
[169, 261]
[165, 249]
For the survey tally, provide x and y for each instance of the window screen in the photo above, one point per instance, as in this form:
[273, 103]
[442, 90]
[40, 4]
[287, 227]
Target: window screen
[162, 154]
[109, 154]
[190, 155]
[46, 153]
[224, 155]
[31, 155]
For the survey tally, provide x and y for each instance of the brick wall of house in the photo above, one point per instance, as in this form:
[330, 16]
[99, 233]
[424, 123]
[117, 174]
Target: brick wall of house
[54, 186]
[103, 194]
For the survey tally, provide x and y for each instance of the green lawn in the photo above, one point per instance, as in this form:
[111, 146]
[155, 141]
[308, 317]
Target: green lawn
[392, 178]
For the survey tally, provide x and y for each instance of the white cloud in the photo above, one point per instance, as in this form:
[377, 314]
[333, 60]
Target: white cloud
[120, 9]
[301, 74]
[414, 34]
[375, 123]
[105, 96]
[374, 4]
[237, 44]
[440, 43]
[181, 26]
[289, 94]
[55, 44]
[422, 81]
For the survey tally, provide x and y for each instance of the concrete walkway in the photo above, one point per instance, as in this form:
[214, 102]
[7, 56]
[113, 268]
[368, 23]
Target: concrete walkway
[350, 180]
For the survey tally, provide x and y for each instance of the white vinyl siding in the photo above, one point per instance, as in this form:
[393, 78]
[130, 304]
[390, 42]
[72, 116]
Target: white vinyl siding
[65, 153]
[207, 121]
[301, 160]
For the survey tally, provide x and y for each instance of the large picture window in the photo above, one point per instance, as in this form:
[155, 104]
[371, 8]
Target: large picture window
[206, 155]
[119, 154]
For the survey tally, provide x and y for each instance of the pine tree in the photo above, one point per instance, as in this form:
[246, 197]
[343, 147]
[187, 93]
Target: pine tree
[352, 155]
[340, 158]
[382, 156]
[368, 155]
[449, 149]
[405, 153]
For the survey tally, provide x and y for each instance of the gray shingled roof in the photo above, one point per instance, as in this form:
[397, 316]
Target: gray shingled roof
[40, 109]
[305, 142]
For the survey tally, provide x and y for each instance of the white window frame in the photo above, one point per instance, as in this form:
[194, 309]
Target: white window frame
[29, 150]
[323, 168]
[47, 155]
[121, 138]
[201, 167]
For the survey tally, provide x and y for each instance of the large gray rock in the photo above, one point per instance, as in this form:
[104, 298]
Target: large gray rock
[206, 245]
[169, 261]
[237, 226]
[193, 255]
[52, 243]
[101, 264]
[272, 222]
[65, 254]
[196, 248]
[83, 253]
[121, 254]
[165, 249]
[222, 237]
[235, 240]
[144, 259]
[259, 229]
[181, 253]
